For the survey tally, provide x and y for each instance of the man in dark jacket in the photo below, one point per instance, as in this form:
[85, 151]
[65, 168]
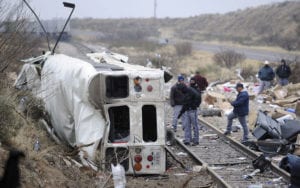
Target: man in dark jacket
[176, 100]
[266, 75]
[190, 103]
[200, 81]
[240, 111]
[194, 85]
[283, 72]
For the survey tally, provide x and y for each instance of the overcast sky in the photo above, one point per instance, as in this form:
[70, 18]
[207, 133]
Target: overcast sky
[48, 9]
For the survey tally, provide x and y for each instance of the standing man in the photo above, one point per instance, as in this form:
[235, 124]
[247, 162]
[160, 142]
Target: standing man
[240, 111]
[200, 81]
[189, 110]
[194, 85]
[266, 75]
[176, 100]
[283, 72]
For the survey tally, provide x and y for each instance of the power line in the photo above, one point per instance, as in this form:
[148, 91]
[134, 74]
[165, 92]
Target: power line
[155, 6]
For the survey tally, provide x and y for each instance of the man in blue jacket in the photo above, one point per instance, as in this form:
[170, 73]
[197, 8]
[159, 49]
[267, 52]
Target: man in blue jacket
[266, 75]
[240, 111]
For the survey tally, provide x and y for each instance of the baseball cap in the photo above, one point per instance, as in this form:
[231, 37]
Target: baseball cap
[180, 78]
[239, 85]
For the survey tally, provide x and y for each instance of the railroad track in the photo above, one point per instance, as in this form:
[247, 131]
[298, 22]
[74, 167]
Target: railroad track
[228, 162]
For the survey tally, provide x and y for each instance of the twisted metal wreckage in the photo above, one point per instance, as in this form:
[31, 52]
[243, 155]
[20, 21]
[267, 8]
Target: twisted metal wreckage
[108, 100]
[105, 103]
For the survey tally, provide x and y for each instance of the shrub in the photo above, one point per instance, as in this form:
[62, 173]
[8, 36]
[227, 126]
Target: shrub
[165, 59]
[9, 120]
[183, 48]
[295, 67]
[249, 70]
[228, 58]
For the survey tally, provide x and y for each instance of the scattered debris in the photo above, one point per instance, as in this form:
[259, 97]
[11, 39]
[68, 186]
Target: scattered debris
[182, 154]
[75, 162]
[159, 177]
[118, 172]
[67, 162]
[216, 168]
[275, 180]
[180, 174]
[37, 145]
[210, 136]
[198, 168]
[211, 112]
[251, 175]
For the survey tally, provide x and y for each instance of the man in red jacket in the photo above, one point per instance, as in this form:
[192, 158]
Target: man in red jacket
[200, 81]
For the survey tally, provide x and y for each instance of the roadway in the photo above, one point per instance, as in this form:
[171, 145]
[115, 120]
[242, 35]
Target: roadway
[250, 53]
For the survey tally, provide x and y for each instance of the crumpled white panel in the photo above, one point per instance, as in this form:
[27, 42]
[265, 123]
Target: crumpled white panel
[64, 89]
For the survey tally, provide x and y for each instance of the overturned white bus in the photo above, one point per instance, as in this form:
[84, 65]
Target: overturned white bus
[107, 105]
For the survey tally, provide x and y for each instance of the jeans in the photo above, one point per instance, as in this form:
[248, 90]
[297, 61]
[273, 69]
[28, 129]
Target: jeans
[242, 120]
[264, 85]
[283, 81]
[191, 121]
[176, 111]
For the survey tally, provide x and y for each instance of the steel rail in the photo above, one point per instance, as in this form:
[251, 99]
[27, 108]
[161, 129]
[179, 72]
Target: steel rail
[217, 179]
[246, 150]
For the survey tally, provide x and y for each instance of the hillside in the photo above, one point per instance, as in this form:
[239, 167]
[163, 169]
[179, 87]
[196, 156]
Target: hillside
[274, 25]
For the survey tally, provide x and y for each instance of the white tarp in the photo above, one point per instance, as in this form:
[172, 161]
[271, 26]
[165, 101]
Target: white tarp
[64, 88]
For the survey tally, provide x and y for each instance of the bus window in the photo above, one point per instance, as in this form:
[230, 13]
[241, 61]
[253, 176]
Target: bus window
[117, 86]
[149, 123]
[119, 124]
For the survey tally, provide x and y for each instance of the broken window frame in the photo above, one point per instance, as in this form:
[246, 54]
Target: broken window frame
[149, 125]
[116, 87]
[112, 129]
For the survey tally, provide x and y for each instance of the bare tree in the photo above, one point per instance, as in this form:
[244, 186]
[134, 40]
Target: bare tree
[16, 39]
[228, 58]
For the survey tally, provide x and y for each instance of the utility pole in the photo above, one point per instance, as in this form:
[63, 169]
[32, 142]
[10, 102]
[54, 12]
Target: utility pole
[155, 6]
